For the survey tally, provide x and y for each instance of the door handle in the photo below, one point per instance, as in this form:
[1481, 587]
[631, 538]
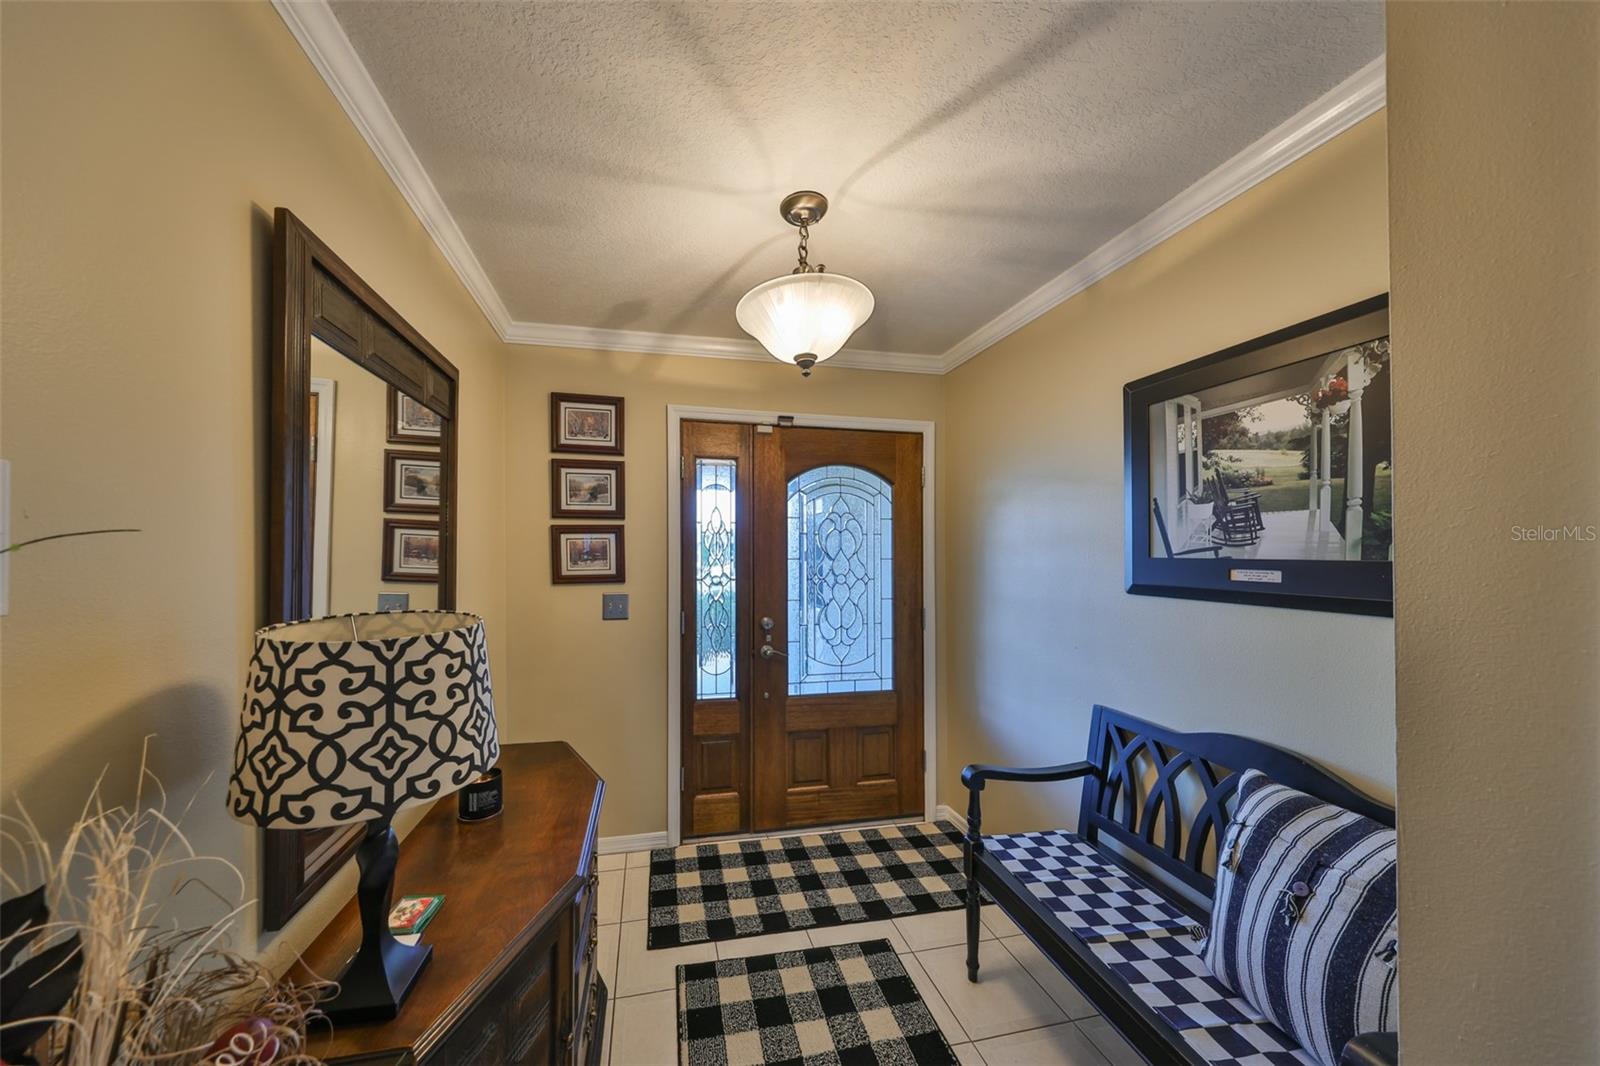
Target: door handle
[769, 653]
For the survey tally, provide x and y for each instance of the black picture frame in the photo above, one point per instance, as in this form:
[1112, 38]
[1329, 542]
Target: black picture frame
[1353, 586]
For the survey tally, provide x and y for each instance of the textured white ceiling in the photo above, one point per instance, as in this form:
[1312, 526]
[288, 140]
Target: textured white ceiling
[618, 165]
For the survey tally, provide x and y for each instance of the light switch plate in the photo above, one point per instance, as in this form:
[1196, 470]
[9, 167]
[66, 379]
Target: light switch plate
[613, 606]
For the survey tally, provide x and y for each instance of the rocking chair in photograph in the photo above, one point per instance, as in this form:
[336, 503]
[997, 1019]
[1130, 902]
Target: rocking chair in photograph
[1233, 526]
[1248, 502]
[1166, 542]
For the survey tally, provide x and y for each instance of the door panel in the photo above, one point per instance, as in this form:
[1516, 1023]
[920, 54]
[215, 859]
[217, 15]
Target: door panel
[876, 758]
[808, 759]
[801, 627]
[715, 627]
[842, 586]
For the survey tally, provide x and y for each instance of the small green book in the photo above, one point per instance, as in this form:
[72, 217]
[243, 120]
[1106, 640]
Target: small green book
[413, 913]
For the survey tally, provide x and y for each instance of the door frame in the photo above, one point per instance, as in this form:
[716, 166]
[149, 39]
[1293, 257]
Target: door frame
[677, 414]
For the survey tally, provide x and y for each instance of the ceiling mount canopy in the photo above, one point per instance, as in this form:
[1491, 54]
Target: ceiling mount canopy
[803, 208]
[807, 315]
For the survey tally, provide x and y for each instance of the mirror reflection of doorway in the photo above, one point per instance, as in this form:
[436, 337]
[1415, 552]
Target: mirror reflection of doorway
[374, 537]
[801, 628]
[324, 396]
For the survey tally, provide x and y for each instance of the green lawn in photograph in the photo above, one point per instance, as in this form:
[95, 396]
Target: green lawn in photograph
[1289, 491]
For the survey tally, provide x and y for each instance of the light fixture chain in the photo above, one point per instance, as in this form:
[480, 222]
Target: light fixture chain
[804, 266]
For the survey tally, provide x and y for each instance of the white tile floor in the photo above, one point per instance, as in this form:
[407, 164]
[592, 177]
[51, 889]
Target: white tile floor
[1021, 1011]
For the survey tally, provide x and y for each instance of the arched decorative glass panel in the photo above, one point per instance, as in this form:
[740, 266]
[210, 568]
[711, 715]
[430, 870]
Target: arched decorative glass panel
[841, 582]
[715, 605]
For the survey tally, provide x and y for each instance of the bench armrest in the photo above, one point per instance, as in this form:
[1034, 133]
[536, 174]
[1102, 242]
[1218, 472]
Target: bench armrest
[1371, 1049]
[977, 774]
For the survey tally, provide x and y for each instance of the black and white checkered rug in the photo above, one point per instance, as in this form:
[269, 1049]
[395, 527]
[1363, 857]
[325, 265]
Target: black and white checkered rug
[777, 884]
[850, 1003]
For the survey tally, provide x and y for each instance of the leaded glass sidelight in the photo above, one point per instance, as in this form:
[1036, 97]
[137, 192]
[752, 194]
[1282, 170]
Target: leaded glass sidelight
[841, 582]
[715, 606]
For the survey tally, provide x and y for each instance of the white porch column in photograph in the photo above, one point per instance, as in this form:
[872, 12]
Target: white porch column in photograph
[1188, 447]
[1169, 494]
[1354, 464]
[1195, 446]
[1325, 492]
[1313, 466]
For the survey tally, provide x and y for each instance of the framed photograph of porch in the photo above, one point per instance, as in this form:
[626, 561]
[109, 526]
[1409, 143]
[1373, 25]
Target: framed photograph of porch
[1262, 473]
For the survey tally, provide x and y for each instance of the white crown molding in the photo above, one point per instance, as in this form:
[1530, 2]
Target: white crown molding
[313, 24]
[627, 340]
[1329, 115]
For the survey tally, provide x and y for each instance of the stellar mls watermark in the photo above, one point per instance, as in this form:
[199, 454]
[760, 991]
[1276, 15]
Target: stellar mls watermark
[1550, 534]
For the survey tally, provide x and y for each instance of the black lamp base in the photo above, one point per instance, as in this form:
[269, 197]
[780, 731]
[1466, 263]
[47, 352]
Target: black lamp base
[383, 971]
[373, 993]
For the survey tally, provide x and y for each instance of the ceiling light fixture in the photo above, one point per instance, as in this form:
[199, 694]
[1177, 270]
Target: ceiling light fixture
[806, 315]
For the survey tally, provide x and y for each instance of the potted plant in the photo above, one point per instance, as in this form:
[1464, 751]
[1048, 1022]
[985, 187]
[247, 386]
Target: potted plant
[95, 970]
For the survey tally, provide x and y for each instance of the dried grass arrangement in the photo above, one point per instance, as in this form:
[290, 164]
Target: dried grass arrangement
[147, 989]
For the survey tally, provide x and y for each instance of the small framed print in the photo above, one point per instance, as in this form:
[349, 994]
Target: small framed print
[410, 550]
[411, 421]
[412, 481]
[582, 488]
[586, 424]
[590, 554]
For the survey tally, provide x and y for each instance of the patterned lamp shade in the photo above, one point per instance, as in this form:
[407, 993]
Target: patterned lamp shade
[350, 718]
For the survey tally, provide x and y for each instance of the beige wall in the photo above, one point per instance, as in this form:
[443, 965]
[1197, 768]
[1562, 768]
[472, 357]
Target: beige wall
[1039, 625]
[145, 147]
[1495, 214]
[603, 685]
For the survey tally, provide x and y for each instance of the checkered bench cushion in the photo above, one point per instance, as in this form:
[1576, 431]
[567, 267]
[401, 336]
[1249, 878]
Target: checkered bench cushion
[1146, 942]
[1085, 892]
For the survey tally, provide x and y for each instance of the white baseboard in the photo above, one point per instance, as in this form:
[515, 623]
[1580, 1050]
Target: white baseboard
[646, 841]
[636, 842]
[946, 813]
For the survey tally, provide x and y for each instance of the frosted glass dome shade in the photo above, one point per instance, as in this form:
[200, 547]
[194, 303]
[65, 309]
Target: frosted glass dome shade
[805, 318]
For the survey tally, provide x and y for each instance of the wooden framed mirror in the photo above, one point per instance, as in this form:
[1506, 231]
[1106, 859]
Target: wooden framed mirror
[361, 485]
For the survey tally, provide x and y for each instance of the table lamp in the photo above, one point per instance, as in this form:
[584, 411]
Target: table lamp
[346, 720]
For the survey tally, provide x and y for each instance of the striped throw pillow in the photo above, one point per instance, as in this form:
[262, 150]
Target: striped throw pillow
[1304, 922]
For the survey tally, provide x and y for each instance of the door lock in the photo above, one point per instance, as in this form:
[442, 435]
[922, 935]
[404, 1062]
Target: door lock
[767, 624]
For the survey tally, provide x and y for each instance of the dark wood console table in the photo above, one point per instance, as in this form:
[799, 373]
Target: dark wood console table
[513, 976]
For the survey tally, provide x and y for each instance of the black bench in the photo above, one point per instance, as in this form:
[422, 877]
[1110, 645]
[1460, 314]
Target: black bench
[1162, 797]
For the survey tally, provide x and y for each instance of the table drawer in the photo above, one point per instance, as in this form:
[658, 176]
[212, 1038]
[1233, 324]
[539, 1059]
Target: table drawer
[479, 1038]
[532, 996]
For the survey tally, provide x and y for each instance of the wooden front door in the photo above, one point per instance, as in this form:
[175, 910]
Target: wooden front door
[801, 628]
